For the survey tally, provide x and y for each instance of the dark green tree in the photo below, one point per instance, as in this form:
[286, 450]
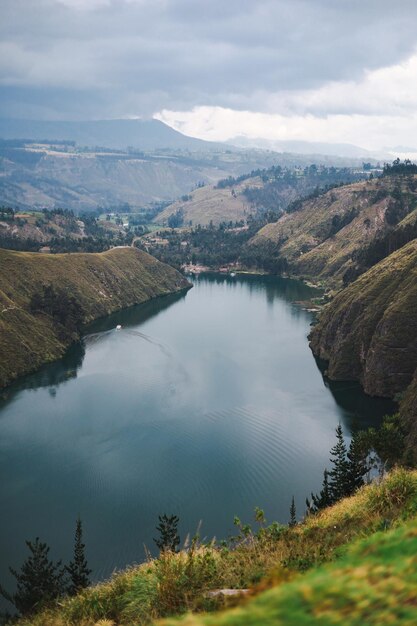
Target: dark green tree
[339, 483]
[357, 462]
[293, 514]
[39, 581]
[78, 569]
[324, 498]
[168, 540]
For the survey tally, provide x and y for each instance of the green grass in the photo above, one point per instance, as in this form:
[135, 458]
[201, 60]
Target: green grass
[373, 584]
[354, 561]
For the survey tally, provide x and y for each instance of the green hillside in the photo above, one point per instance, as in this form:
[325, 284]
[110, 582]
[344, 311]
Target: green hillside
[368, 332]
[92, 285]
[354, 563]
[323, 236]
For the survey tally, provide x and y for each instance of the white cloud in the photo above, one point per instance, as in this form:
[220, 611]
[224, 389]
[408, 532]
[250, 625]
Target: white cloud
[379, 110]
[84, 5]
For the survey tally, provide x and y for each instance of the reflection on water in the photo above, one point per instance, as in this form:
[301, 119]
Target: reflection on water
[359, 410]
[204, 404]
[53, 374]
[50, 375]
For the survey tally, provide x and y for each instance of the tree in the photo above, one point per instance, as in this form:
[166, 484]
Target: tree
[169, 539]
[357, 464]
[324, 498]
[339, 474]
[39, 580]
[78, 569]
[293, 514]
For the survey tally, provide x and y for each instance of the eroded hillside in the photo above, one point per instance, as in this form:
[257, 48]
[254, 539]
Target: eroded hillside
[326, 235]
[262, 192]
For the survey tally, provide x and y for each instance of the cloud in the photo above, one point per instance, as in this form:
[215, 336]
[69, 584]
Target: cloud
[120, 58]
[378, 110]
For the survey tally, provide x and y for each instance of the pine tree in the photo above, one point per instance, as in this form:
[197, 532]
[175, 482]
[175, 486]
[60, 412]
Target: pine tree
[39, 580]
[324, 498]
[357, 465]
[339, 483]
[78, 569]
[293, 514]
[169, 539]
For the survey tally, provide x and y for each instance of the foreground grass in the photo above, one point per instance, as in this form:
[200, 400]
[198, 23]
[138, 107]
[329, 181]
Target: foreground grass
[374, 575]
[373, 584]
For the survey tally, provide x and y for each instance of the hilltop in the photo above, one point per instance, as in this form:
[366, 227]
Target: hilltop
[323, 237]
[45, 299]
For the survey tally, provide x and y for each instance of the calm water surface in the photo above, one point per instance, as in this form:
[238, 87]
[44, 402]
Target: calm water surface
[204, 405]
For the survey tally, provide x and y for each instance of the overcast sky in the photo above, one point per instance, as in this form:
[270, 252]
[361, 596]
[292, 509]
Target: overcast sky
[320, 70]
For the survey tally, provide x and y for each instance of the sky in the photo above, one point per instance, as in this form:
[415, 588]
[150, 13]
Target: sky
[315, 70]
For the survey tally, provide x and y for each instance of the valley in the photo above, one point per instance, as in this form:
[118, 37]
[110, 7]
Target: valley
[82, 314]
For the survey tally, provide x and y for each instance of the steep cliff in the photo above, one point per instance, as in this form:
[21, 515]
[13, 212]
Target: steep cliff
[95, 285]
[369, 330]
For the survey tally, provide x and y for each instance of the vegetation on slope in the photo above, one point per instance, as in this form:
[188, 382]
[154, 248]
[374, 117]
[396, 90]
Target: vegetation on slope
[373, 584]
[368, 332]
[330, 237]
[33, 333]
[376, 575]
[59, 230]
[234, 199]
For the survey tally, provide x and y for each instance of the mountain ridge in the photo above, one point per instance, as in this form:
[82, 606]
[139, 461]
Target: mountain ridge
[116, 133]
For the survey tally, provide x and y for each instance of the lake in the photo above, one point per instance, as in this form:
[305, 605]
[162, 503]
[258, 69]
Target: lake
[205, 404]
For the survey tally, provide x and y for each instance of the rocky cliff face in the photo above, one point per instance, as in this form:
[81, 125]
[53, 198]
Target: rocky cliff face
[369, 330]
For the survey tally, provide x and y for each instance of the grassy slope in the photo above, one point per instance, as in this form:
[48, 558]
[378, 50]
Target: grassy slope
[371, 582]
[374, 584]
[368, 331]
[102, 283]
[303, 237]
[211, 204]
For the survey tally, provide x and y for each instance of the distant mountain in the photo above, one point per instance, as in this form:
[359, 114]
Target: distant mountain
[115, 134]
[304, 147]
